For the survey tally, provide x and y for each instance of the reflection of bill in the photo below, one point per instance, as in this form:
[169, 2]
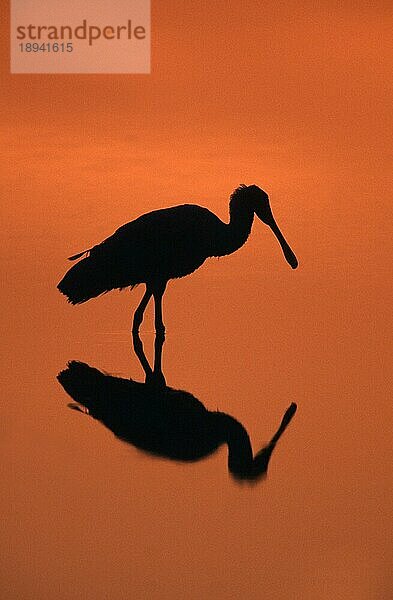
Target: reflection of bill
[164, 421]
[82, 32]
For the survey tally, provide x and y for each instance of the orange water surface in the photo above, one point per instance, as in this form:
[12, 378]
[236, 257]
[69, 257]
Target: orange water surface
[295, 98]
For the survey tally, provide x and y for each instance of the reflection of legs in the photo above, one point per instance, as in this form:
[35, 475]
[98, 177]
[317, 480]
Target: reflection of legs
[158, 344]
[155, 376]
[138, 314]
[158, 292]
[138, 349]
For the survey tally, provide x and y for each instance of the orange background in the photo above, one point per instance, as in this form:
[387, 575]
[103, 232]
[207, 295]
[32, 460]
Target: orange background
[295, 99]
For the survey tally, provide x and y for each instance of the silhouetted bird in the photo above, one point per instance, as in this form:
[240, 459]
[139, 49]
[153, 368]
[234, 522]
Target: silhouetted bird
[166, 244]
[163, 421]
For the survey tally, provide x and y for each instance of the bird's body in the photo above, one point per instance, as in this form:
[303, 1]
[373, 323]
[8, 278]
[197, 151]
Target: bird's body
[162, 245]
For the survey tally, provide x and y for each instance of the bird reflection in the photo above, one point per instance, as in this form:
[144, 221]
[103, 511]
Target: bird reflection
[164, 421]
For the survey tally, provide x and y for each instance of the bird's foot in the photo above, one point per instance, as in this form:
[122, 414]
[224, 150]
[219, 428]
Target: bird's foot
[136, 323]
[160, 330]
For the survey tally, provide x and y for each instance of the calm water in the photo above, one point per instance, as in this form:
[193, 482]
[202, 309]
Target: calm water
[86, 516]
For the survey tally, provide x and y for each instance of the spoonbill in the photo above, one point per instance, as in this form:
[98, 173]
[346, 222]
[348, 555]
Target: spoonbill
[167, 244]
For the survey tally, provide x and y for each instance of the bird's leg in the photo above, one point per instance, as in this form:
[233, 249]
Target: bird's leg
[138, 314]
[158, 292]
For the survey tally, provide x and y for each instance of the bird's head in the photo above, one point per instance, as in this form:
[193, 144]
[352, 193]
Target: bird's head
[260, 203]
[259, 200]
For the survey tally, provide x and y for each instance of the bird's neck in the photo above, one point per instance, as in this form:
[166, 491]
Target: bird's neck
[232, 433]
[238, 229]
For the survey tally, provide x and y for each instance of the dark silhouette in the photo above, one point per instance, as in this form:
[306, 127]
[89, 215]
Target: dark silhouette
[166, 244]
[163, 421]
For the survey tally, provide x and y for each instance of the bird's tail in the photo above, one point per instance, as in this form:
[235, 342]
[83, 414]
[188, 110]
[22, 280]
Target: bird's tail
[88, 279]
[79, 255]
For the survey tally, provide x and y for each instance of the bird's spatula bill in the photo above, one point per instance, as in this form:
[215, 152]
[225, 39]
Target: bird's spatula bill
[289, 255]
[264, 213]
